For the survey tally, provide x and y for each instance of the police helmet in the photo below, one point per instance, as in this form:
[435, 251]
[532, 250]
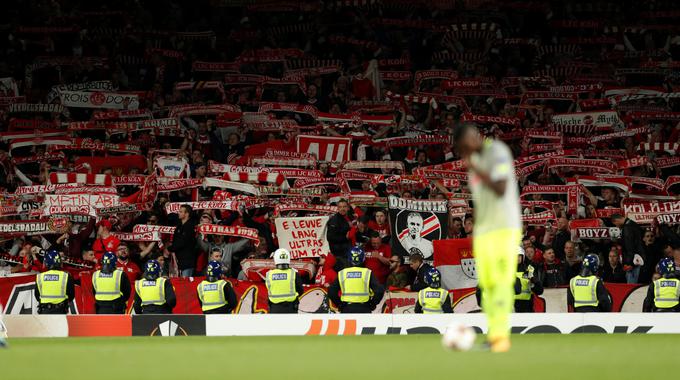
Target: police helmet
[52, 259]
[591, 262]
[356, 256]
[281, 257]
[152, 270]
[213, 271]
[666, 266]
[109, 261]
[433, 278]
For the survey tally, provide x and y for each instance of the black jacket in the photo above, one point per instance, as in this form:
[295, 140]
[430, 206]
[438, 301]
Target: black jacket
[338, 227]
[553, 275]
[631, 236]
[558, 243]
[603, 298]
[615, 275]
[374, 285]
[184, 244]
[419, 281]
[170, 302]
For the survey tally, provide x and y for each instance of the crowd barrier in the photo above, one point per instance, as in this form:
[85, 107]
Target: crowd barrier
[16, 293]
[327, 324]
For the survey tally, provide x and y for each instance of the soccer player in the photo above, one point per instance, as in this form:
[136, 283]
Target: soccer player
[497, 227]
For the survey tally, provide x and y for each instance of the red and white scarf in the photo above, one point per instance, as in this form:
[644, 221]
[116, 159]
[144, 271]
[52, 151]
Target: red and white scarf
[236, 231]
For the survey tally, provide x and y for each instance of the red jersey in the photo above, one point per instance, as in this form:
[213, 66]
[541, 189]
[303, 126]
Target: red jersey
[380, 270]
[101, 246]
[131, 269]
[382, 229]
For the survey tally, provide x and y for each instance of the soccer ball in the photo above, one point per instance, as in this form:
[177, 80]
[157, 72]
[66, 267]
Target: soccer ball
[458, 337]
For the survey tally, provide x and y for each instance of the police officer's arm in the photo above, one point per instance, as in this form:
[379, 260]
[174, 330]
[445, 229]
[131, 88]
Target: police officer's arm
[333, 291]
[446, 307]
[137, 304]
[36, 292]
[298, 285]
[200, 303]
[378, 290]
[230, 295]
[419, 307]
[518, 286]
[170, 298]
[536, 286]
[70, 288]
[603, 297]
[649, 300]
[125, 286]
[570, 297]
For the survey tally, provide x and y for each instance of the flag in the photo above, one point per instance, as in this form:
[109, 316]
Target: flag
[453, 258]
[415, 224]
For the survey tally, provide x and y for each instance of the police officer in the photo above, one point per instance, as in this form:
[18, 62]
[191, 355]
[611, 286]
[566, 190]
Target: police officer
[215, 295]
[586, 292]
[111, 287]
[283, 285]
[361, 291]
[663, 295]
[155, 294]
[54, 288]
[433, 299]
[528, 284]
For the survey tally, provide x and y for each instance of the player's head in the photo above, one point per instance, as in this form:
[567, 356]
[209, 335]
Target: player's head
[666, 266]
[467, 139]
[281, 258]
[356, 256]
[433, 278]
[52, 259]
[152, 270]
[109, 261]
[213, 271]
[415, 225]
[590, 264]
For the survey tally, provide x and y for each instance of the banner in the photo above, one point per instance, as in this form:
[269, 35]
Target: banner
[97, 99]
[598, 119]
[31, 227]
[303, 237]
[327, 149]
[416, 224]
[454, 259]
[79, 200]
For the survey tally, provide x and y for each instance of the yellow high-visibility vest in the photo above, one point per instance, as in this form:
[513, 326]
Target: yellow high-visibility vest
[211, 294]
[107, 285]
[525, 294]
[666, 293]
[584, 290]
[281, 285]
[151, 292]
[355, 285]
[52, 286]
[432, 300]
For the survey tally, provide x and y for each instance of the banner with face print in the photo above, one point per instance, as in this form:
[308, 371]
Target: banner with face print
[415, 224]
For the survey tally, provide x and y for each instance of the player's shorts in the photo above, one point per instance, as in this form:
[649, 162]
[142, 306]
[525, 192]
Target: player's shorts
[496, 256]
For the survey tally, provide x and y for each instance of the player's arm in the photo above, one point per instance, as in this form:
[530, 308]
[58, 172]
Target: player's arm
[649, 300]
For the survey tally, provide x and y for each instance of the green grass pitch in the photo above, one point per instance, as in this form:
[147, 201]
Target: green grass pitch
[415, 357]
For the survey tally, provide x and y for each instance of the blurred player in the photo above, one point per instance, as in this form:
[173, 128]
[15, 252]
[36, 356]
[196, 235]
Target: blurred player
[497, 227]
[3, 331]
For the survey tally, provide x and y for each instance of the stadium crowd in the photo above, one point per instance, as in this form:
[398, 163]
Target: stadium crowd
[198, 92]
